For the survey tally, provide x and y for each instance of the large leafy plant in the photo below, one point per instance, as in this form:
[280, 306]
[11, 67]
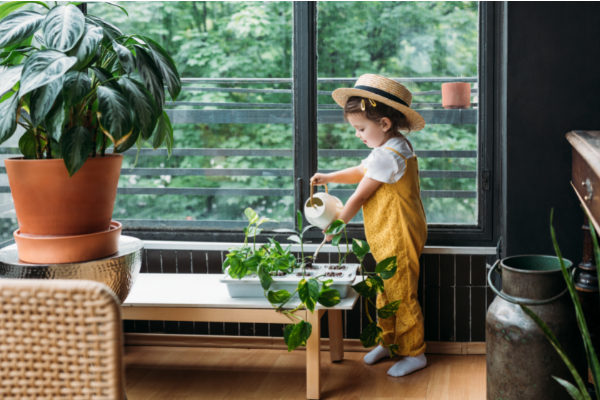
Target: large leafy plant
[76, 84]
[580, 391]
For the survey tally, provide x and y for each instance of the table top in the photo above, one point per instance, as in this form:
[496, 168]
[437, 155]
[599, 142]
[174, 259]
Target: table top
[203, 291]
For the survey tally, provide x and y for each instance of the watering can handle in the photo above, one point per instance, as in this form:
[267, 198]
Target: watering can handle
[311, 192]
[519, 300]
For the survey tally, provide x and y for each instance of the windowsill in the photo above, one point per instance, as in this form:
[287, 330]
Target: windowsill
[309, 248]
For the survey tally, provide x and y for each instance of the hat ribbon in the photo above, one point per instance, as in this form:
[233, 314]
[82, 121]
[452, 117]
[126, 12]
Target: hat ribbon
[381, 93]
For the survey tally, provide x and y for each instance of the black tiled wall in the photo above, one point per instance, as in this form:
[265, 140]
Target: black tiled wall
[453, 294]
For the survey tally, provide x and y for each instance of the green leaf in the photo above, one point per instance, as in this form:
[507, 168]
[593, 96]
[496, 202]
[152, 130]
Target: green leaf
[129, 142]
[299, 219]
[115, 114]
[295, 238]
[169, 139]
[329, 297]
[150, 75]
[43, 67]
[8, 118]
[371, 335]
[27, 146]
[263, 220]
[75, 145]
[309, 292]
[109, 31]
[63, 27]
[387, 268]
[75, 87]
[389, 310]
[360, 248]
[166, 66]
[369, 287]
[556, 344]
[85, 50]
[265, 277]
[299, 335]
[393, 349]
[571, 389]
[162, 131]
[125, 57]
[105, 77]
[287, 331]
[11, 6]
[42, 99]
[145, 111]
[336, 239]
[118, 6]
[592, 357]
[278, 297]
[9, 78]
[336, 227]
[56, 118]
[254, 231]
[285, 231]
[18, 26]
[251, 215]
[237, 270]
[327, 283]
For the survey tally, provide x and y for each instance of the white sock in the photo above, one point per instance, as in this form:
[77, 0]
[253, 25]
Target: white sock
[408, 365]
[376, 354]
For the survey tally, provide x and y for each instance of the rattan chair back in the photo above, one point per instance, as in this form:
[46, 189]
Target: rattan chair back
[59, 339]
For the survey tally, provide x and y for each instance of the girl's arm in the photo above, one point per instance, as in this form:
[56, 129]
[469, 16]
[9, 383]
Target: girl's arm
[365, 189]
[348, 176]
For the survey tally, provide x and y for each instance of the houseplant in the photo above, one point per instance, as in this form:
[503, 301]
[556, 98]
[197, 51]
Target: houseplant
[76, 85]
[271, 258]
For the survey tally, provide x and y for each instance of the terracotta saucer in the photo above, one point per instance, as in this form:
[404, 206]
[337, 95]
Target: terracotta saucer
[68, 249]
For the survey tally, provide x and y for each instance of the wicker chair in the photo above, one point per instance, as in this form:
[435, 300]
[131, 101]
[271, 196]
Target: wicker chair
[59, 339]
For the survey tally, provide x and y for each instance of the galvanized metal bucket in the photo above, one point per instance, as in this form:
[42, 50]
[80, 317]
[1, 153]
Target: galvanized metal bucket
[520, 360]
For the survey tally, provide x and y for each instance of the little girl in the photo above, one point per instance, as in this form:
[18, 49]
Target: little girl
[389, 192]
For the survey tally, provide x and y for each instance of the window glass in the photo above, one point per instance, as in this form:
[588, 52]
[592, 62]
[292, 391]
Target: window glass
[232, 122]
[422, 45]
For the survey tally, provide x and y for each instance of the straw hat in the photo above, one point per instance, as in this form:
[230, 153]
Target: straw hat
[387, 91]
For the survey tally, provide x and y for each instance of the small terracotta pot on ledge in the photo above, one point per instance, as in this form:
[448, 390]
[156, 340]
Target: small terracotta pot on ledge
[456, 95]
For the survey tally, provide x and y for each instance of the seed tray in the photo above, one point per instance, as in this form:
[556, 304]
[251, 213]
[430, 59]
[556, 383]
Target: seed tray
[249, 286]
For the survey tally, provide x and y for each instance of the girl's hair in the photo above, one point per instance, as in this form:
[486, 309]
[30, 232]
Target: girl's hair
[377, 113]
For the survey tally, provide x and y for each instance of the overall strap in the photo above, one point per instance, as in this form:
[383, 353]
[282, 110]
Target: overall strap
[389, 148]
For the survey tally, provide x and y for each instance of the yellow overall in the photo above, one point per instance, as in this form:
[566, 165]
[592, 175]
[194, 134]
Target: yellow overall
[395, 224]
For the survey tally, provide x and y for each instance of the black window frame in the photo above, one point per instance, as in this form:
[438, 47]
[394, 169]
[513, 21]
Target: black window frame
[491, 56]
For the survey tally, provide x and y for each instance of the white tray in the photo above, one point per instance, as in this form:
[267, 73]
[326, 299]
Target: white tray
[249, 286]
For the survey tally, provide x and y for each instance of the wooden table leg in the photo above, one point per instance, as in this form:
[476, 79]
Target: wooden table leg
[313, 356]
[336, 335]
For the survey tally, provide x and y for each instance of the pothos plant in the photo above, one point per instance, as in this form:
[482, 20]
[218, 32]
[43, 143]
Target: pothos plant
[76, 84]
[271, 259]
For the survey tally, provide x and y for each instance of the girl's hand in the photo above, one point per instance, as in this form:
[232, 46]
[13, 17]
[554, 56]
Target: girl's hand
[320, 179]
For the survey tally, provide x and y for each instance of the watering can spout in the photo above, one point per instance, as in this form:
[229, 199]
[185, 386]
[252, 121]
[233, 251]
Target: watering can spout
[322, 209]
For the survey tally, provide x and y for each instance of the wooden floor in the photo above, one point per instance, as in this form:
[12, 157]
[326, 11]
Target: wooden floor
[178, 373]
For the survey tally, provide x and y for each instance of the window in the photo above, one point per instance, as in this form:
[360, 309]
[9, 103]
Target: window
[243, 133]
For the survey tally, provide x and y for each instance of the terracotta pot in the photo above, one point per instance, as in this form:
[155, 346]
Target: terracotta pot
[456, 95]
[48, 202]
[68, 249]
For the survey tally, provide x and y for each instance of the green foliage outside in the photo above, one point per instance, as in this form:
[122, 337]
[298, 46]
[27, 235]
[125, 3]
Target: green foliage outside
[254, 40]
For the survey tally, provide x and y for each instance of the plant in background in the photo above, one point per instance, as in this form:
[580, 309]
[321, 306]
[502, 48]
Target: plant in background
[578, 392]
[76, 84]
[370, 287]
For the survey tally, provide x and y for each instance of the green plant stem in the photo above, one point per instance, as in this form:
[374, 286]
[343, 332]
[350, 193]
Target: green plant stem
[367, 310]
[103, 148]
[48, 147]
[285, 302]
[38, 146]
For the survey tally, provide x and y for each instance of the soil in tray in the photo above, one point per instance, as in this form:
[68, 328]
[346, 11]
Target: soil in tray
[337, 267]
[334, 274]
[307, 274]
[309, 265]
[278, 273]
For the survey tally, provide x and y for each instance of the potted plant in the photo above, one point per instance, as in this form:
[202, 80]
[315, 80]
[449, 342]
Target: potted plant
[76, 85]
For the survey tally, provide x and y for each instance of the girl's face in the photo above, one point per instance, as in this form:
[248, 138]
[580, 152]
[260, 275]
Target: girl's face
[372, 134]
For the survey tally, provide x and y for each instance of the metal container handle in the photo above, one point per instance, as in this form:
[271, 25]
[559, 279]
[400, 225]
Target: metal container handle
[519, 300]
[311, 192]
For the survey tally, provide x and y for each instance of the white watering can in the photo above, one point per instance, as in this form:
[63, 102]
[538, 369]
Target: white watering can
[322, 208]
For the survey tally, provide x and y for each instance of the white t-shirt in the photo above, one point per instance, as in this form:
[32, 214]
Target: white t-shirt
[385, 165]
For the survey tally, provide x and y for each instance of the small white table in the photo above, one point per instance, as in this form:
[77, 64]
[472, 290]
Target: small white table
[202, 298]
